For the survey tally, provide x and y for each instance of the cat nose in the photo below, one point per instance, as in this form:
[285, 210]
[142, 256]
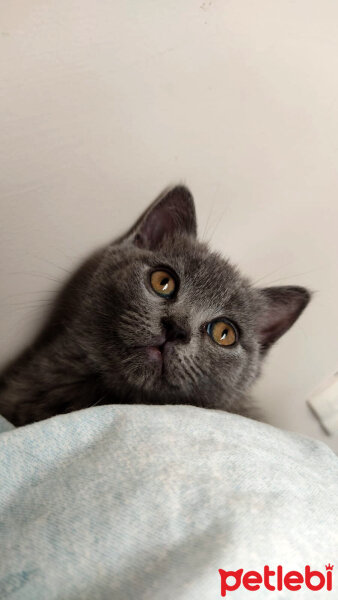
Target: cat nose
[175, 332]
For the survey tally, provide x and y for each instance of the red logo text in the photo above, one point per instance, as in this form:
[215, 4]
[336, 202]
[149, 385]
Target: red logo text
[276, 579]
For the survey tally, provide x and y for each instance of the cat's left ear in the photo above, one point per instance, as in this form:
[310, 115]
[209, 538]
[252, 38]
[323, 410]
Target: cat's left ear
[282, 307]
[173, 212]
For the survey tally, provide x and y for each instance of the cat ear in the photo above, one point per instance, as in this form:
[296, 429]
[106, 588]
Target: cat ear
[173, 212]
[283, 306]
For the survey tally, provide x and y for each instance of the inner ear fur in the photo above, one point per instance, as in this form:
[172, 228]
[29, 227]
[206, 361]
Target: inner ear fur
[171, 213]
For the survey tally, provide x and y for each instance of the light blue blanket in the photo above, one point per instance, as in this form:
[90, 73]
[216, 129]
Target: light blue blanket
[140, 502]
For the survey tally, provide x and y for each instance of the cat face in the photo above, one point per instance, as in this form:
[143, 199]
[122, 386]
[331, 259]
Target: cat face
[171, 321]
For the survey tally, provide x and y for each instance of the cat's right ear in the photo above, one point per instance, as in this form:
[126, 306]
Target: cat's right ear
[282, 307]
[171, 213]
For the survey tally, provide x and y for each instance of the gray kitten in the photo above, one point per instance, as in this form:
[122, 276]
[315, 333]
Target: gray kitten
[155, 317]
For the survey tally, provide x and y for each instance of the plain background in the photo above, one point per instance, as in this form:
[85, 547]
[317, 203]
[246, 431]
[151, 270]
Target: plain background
[103, 104]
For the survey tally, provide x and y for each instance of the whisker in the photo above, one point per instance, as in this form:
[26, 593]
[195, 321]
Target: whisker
[271, 273]
[52, 263]
[292, 276]
[36, 274]
[217, 224]
[197, 368]
[97, 402]
[186, 372]
[208, 220]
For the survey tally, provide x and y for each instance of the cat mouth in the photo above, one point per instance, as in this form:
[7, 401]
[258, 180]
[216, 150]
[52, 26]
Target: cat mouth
[155, 353]
[157, 366]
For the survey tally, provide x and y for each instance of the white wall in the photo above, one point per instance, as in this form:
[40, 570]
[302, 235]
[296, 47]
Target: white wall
[105, 103]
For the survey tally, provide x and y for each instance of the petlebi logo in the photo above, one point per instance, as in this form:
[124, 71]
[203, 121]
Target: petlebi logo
[276, 579]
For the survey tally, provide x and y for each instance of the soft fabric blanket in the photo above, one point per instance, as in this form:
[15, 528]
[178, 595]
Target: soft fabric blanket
[140, 502]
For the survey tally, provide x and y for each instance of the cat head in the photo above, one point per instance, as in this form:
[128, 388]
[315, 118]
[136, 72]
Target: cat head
[170, 321]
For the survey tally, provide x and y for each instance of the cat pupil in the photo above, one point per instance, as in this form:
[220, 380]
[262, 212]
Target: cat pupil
[224, 334]
[164, 282]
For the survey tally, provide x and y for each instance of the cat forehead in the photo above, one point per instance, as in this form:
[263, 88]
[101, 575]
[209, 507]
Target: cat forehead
[194, 260]
[205, 275]
[209, 286]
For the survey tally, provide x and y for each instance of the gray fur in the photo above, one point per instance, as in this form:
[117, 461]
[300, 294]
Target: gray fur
[91, 350]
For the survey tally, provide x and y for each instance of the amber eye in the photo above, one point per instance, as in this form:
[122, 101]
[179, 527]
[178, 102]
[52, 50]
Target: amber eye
[222, 332]
[163, 283]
